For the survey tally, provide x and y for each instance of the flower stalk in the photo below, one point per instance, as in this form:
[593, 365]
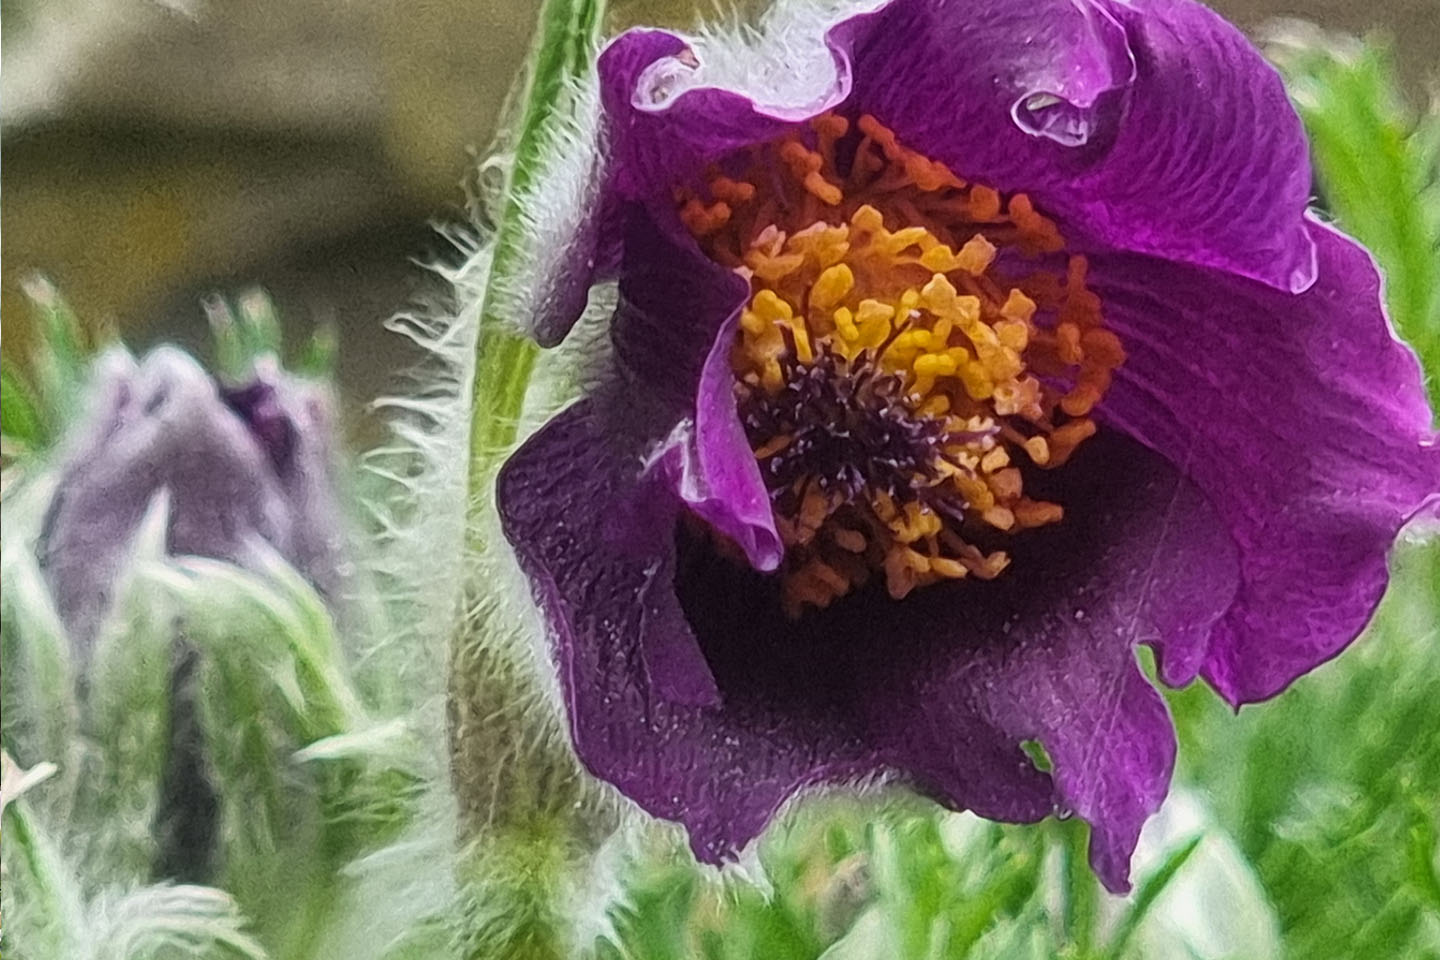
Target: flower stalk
[569, 32]
[528, 817]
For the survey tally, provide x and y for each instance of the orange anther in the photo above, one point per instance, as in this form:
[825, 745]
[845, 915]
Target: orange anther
[1067, 343]
[890, 269]
[1033, 513]
[1103, 347]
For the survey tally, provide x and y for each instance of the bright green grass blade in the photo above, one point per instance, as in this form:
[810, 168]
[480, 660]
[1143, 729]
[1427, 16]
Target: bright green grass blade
[1148, 892]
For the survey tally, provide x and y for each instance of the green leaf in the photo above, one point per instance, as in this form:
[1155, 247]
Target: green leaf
[22, 422]
[126, 722]
[41, 714]
[164, 921]
[318, 357]
[244, 334]
[43, 905]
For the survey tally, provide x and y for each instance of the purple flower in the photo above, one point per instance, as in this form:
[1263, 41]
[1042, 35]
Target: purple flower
[960, 348]
[240, 463]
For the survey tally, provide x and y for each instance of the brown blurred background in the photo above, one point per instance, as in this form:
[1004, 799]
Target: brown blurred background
[157, 150]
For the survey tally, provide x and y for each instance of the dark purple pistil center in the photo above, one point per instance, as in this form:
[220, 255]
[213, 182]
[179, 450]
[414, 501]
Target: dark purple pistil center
[851, 431]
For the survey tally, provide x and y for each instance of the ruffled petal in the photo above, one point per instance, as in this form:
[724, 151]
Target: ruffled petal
[1046, 653]
[651, 147]
[1151, 126]
[672, 333]
[1302, 418]
[670, 113]
[594, 531]
[942, 688]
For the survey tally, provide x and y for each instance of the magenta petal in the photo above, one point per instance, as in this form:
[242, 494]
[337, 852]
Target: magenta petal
[666, 125]
[1046, 652]
[672, 332]
[595, 534]
[1303, 419]
[652, 145]
[1151, 126]
[940, 689]
[726, 487]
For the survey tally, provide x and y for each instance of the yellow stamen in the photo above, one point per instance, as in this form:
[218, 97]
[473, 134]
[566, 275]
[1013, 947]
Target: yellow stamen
[894, 270]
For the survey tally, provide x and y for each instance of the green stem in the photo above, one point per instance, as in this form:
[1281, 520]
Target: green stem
[525, 809]
[1080, 899]
[567, 36]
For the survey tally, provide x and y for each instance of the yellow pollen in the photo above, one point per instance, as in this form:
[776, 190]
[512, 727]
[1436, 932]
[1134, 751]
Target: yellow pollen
[938, 301]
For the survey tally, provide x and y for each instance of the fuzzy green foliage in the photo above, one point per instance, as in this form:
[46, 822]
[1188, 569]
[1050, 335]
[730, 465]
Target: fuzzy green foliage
[550, 131]
[249, 329]
[84, 872]
[36, 402]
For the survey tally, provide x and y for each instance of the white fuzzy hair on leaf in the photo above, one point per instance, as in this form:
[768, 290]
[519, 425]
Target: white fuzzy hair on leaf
[416, 482]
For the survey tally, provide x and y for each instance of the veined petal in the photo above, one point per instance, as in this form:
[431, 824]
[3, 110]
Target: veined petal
[1046, 652]
[940, 689]
[1304, 420]
[1152, 126]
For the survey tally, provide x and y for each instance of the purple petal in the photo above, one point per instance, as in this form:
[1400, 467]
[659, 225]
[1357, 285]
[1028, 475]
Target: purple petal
[726, 487]
[941, 688]
[1045, 652]
[663, 126]
[293, 421]
[672, 331]
[1302, 418]
[595, 533]
[667, 123]
[166, 429]
[588, 256]
[651, 149]
[255, 464]
[1151, 126]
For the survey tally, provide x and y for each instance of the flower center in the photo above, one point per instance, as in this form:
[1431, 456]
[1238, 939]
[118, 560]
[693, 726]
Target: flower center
[896, 383]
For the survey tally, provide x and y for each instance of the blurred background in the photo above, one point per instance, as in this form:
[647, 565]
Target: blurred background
[158, 150]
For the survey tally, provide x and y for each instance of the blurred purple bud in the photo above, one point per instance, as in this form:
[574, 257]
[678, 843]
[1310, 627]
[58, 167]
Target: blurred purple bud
[239, 462]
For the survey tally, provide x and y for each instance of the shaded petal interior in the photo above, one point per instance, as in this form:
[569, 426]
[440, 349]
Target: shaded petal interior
[941, 688]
